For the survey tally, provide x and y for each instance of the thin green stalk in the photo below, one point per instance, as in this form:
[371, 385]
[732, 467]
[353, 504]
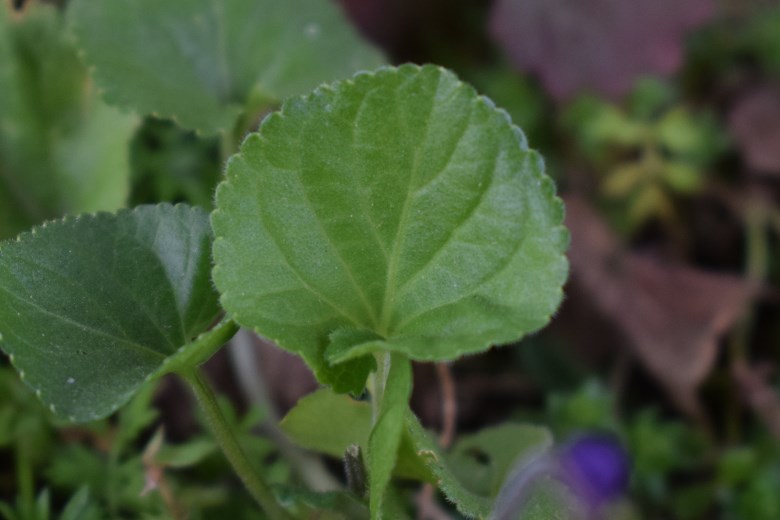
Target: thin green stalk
[226, 439]
[379, 380]
[25, 478]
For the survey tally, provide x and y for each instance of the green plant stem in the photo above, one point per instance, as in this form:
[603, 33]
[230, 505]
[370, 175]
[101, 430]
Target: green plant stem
[202, 348]
[227, 441]
[25, 478]
[383, 360]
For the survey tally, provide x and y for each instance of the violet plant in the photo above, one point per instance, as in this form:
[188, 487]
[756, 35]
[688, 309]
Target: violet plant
[391, 217]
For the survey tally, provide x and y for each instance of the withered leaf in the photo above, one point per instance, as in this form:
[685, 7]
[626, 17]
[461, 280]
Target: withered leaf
[603, 45]
[671, 316]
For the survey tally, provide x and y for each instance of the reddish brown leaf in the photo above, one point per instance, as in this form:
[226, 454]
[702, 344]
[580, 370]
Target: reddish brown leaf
[754, 123]
[671, 316]
[759, 395]
[603, 45]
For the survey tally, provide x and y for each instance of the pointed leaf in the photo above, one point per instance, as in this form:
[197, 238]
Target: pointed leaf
[399, 203]
[202, 61]
[92, 306]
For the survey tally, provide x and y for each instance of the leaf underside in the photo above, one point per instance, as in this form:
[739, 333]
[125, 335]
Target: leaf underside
[92, 306]
[398, 208]
[200, 61]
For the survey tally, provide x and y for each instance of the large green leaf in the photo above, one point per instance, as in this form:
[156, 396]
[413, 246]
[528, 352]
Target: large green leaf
[399, 209]
[202, 62]
[61, 149]
[92, 306]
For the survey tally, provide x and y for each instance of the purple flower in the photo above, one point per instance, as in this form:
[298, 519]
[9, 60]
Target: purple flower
[595, 467]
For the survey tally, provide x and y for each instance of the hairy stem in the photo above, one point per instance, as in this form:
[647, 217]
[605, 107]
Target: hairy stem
[227, 441]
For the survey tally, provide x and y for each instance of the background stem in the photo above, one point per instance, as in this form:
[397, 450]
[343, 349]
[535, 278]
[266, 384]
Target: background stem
[242, 351]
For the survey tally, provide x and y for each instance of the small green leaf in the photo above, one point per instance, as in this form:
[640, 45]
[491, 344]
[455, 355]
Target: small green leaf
[61, 149]
[483, 460]
[202, 62]
[92, 306]
[467, 502]
[80, 507]
[328, 423]
[399, 203]
[351, 375]
[185, 455]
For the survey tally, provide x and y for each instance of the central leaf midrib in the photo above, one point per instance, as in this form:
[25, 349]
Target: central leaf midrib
[472, 211]
[451, 233]
[392, 267]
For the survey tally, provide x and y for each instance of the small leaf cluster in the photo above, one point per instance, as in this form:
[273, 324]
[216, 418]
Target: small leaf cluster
[647, 152]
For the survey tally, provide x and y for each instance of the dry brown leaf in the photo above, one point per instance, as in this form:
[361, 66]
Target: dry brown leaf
[603, 45]
[672, 316]
[759, 395]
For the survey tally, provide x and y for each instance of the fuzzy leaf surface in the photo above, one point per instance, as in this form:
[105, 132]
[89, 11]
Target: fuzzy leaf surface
[399, 205]
[201, 62]
[92, 306]
[62, 150]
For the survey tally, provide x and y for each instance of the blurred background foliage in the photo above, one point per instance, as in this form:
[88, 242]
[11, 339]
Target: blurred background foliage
[660, 122]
